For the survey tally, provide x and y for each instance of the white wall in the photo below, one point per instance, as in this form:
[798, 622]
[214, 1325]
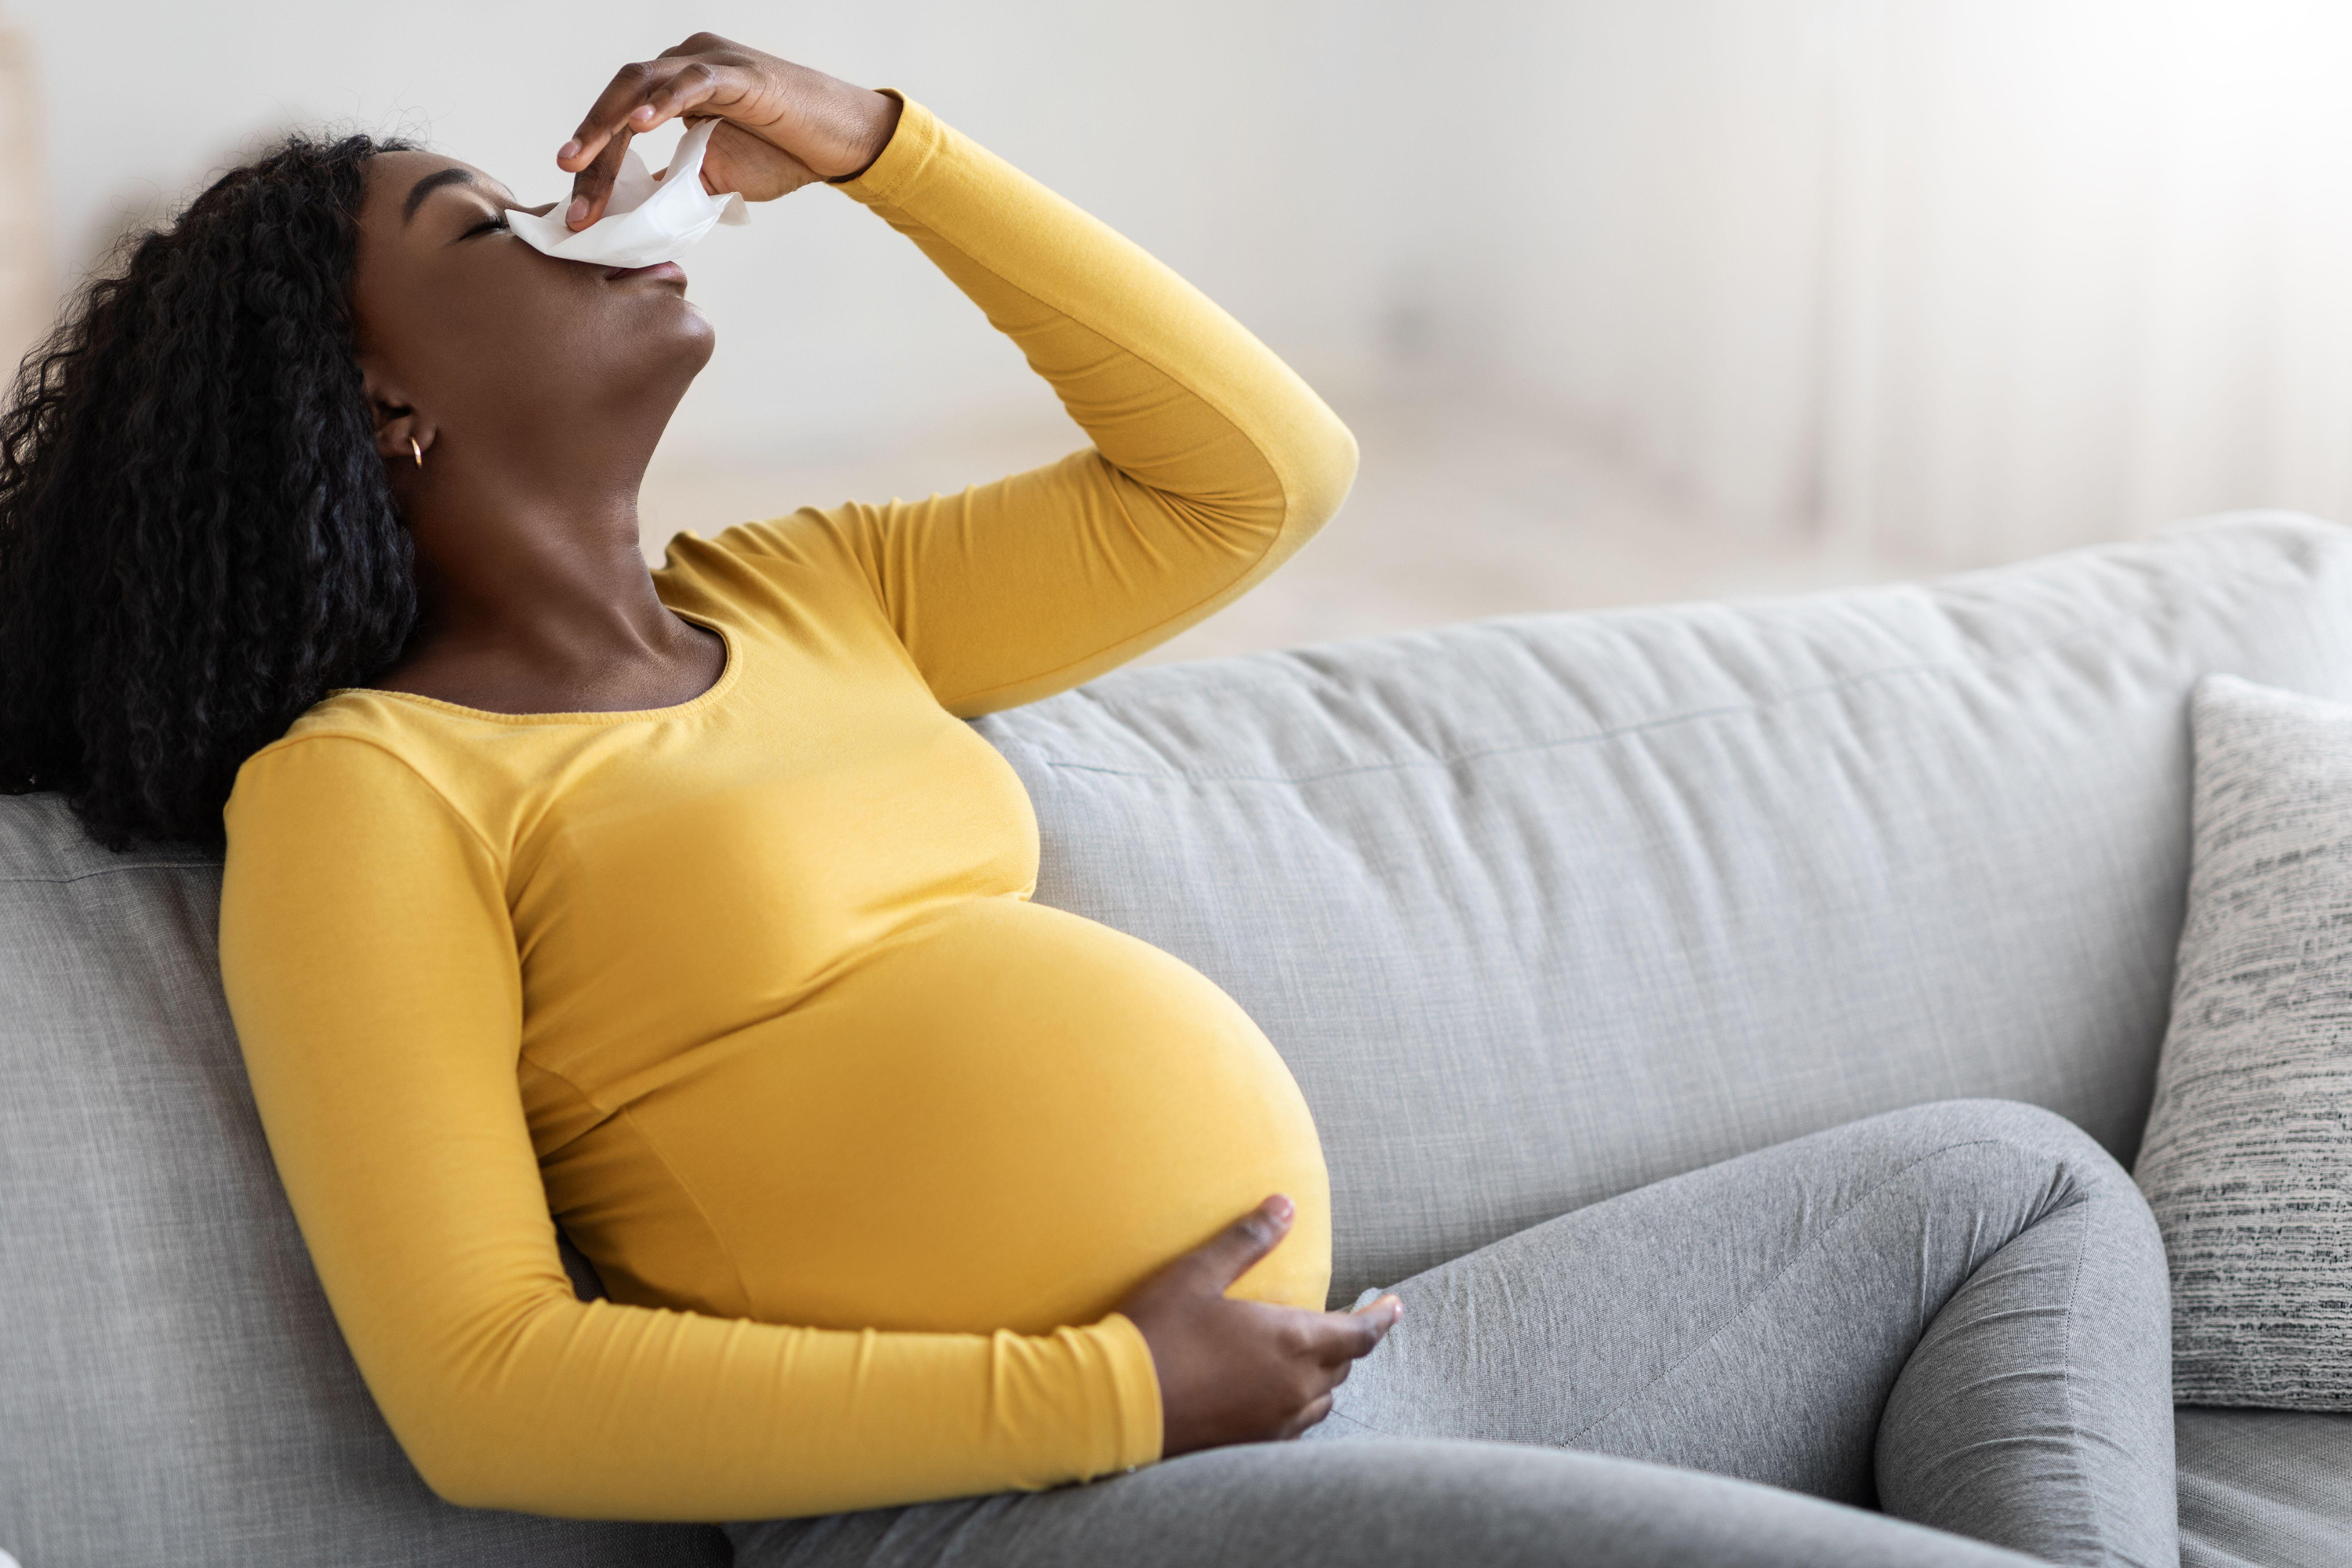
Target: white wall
[1970, 277]
[1963, 278]
[28, 285]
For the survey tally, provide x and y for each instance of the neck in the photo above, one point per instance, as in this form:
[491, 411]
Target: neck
[532, 580]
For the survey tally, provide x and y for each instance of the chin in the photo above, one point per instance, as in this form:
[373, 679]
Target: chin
[695, 333]
[636, 360]
[684, 339]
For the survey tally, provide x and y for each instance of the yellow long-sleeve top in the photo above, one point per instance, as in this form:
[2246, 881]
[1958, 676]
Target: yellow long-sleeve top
[749, 991]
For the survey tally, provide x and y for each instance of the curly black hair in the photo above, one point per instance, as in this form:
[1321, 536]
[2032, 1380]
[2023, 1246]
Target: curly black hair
[197, 539]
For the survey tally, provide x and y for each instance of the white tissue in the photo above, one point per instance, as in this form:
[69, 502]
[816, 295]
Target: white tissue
[647, 220]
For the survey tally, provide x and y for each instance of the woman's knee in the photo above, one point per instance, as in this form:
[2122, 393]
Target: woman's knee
[2030, 1130]
[2055, 1162]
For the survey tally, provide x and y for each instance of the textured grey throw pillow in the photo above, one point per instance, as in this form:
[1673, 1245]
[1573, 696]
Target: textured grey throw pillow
[2248, 1157]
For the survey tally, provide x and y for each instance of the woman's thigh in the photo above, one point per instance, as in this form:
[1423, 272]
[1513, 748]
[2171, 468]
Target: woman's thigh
[1395, 1504]
[1959, 1312]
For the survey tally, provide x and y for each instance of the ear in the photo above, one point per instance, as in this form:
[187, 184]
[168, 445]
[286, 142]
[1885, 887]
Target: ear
[397, 420]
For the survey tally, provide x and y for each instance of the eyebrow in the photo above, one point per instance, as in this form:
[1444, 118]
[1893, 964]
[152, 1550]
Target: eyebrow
[430, 184]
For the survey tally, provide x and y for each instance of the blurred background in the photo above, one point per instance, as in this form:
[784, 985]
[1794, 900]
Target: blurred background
[1627, 300]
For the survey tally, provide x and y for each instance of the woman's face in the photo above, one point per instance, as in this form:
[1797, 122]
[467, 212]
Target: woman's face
[499, 347]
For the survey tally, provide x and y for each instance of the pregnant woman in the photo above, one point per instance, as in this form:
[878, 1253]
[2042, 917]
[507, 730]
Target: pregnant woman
[684, 905]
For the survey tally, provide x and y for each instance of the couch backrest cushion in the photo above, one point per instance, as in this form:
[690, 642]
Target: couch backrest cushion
[1541, 909]
[172, 1386]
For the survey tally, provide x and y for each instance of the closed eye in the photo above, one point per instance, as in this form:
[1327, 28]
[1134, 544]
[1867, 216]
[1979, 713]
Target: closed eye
[496, 223]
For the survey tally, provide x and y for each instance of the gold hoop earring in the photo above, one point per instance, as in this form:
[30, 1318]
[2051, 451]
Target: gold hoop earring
[416, 451]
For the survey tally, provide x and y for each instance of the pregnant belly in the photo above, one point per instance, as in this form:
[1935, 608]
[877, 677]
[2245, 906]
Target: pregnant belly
[1006, 1119]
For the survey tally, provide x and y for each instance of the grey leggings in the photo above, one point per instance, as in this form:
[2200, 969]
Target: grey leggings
[1955, 1314]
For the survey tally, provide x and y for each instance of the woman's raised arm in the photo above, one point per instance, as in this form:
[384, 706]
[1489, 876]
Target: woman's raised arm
[1212, 461]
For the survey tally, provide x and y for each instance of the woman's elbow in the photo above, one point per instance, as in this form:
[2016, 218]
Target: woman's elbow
[1323, 469]
[476, 1454]
[462, 1472]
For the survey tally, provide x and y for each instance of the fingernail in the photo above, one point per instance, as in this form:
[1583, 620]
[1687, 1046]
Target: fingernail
[569, 150]
[642, 112]
[1280, 1207]
[578, 210]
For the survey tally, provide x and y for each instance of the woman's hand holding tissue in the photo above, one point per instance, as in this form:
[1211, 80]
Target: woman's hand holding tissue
[782, 126]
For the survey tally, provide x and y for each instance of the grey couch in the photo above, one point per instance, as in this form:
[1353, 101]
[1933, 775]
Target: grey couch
[1537, 910]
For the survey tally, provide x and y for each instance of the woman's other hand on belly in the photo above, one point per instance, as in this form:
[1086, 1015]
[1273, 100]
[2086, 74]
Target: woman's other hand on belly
[1245, 1371]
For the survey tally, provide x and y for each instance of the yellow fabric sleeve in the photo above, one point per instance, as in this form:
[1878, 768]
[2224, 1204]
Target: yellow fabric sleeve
[372, 972]
[1211, 460]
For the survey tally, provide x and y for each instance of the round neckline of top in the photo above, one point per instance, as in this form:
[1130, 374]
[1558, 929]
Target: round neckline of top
[708, 696]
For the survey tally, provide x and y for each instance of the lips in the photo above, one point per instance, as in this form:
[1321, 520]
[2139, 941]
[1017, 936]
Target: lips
[668, 271]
